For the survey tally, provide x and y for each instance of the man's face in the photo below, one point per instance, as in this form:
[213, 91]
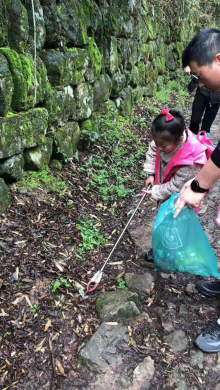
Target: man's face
[208, 77]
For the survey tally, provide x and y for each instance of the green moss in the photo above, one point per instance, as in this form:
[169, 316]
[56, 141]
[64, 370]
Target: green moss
[141, 71]
[19, 97]
[95, 57]
[150, 29]
[99, 305]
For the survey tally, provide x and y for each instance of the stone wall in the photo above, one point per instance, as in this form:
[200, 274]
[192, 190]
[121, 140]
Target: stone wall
[93, 58]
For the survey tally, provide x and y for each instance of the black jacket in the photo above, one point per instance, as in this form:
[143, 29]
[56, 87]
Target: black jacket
[213, 98]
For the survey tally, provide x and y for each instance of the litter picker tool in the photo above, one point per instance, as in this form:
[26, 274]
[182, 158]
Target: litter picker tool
[95, 280]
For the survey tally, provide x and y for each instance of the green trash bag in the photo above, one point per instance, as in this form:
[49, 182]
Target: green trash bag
[180, 245]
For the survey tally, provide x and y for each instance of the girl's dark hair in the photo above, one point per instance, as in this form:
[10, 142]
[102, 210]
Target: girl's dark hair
[171, 130]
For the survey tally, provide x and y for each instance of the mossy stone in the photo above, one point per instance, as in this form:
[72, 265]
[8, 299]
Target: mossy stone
[18, 26]
[84, 101]
[66, 105]
[125, 107]
[11, 169]
[65, 68]
[118, 83]
[25, 130]
[137, 95]
[52, 24]
[38, 158]
[40, 26]
[22, 70]
[95, 61]
[101, 90]
[66, 139]
[6, 86]
[4, 197]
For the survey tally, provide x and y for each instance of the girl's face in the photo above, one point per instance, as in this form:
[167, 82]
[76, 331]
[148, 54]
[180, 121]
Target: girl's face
[165, 146]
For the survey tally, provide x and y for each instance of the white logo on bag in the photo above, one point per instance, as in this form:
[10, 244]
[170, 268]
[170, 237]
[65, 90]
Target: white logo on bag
[170, 238]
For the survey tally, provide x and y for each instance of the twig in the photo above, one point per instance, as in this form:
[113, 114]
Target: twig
[52, 357]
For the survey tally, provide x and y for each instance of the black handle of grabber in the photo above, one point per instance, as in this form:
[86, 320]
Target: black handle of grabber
[91, 289]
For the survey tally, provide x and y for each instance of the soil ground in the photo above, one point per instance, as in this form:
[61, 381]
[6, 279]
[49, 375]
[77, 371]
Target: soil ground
[43, 327]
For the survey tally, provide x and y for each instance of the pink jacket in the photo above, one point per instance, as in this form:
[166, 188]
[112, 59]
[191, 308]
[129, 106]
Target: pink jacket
[193, 152]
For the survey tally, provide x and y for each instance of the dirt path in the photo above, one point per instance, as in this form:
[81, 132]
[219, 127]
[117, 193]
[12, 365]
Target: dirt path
[45, 323]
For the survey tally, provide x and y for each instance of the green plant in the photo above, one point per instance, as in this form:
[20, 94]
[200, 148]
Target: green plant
[34, 308]
[90, 234]
[121, 284]
[58, 282]
[33, 180]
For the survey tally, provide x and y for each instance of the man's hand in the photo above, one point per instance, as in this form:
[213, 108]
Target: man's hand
[187, 197]
[148, 182]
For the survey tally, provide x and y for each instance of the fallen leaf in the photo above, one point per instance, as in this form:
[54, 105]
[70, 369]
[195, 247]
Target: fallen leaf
[28, 301]
[73, 373]
[170, 380]
[40, 345]
[112, 323]
[18, 300]
[120, 275]
[3, 314]
[58, 266]
[60, 367]
[48, 324]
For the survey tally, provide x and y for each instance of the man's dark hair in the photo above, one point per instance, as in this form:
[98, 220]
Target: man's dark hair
[170, 131]
[202, 48]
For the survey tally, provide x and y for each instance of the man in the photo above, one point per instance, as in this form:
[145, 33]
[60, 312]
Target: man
[202, 55]
[205, 102]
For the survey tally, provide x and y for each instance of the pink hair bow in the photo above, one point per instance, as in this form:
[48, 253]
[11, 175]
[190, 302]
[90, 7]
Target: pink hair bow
[169, 117]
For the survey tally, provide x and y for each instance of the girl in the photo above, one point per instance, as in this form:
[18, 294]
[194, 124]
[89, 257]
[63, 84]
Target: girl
[174, 156]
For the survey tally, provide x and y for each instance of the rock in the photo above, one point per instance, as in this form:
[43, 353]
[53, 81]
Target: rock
[125, 107]
[142, 237]
[141, 284]
[159, 312]
[143, 373]
[95, 61]
[191, 289]
[196, 358]
[177, 340]
[84, 101]
[118, 83]
[38, 158]
[66, 68]
[137, 95]
[123, 382]
[12, 169]
[179, 380]
[23, 131]
[209, 235]
[113, 57]
[6, 86]
[53, 30]
[183, 310]
[18, 26]
[143, 317]
[119, 306]
[40, 26]
[217, 387]
[22, 69]
[102, 349]
[168, 326]
[66, 106]
[66, 139]
[169, 57]
[211, 225]
[4, 197]
[101, 90]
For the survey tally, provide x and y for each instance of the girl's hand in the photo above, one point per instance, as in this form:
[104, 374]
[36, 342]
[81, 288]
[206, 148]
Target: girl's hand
[148, 182]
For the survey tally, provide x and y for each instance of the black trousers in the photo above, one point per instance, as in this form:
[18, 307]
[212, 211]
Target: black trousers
[201, 104]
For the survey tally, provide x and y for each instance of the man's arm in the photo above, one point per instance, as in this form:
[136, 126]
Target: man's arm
[208, 175]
